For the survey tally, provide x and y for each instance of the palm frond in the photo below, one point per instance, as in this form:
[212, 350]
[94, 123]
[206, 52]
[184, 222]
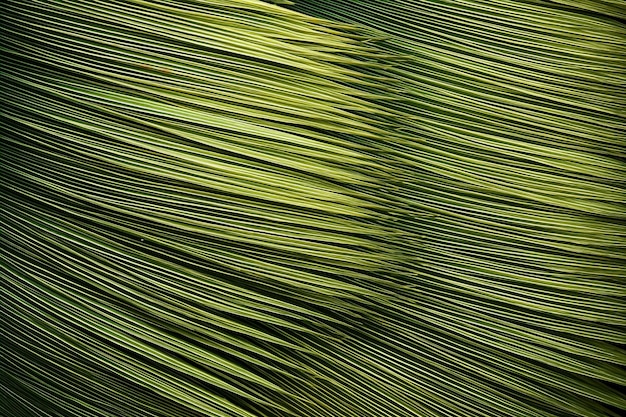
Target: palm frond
[519, 296]
[187, 199]
[360, 208]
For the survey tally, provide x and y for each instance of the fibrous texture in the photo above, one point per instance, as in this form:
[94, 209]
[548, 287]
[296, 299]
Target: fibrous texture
[190, 217]
[329, 209]
[521, 107]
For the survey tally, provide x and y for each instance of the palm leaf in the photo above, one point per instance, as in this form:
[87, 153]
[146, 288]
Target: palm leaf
[213, 208]
[520, 106]
[187, 199]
